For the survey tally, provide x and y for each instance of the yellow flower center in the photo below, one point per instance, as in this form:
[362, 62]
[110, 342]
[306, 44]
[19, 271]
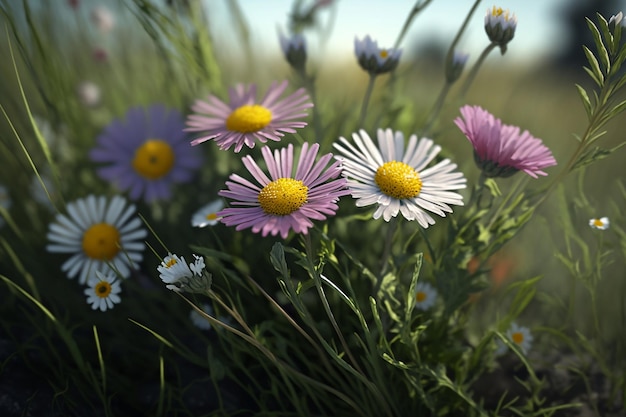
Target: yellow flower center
[398, 180]
[420, 296]
[283, 196]
[498, 11]
[171, 263]
[153, 159]
[248, 118]
[598, 223]
[384, 53]
[103, 289]
[101, 241]
[211, 216]
[518, 337]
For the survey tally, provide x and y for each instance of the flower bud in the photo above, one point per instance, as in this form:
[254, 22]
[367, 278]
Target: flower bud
[500, 26]
[294, 49]
[456, 66]
[373, 59]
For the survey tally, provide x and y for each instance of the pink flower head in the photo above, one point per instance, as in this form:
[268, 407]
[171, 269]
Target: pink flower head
[245, 120]
[286, 200]
[501, 150]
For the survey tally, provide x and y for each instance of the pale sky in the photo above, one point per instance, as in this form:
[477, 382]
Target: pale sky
[538, 32]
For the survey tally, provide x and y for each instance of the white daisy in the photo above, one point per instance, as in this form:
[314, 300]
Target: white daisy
[101, 234]
[207, 215]
[177, 273]
[198, 320]
[103, 291]
[519, 336]
[425, 296]
[602, 223]
[397, 179]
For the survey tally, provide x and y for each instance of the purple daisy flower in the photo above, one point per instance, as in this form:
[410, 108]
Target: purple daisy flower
[285, 201]
[243, 120]
[146, 153]
[501, 150]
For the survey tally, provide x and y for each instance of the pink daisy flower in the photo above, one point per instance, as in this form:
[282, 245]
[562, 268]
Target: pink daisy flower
[501, 150]
[286, 201]
[245, 120]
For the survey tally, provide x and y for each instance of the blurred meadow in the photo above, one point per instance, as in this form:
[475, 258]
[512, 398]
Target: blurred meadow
[58, 357]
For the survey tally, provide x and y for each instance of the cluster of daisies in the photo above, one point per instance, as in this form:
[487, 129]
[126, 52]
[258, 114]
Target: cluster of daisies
[147, 152]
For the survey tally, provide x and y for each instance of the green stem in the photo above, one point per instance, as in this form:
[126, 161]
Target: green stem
[419, 6]
[366, 99]
[472, 75]
[436, 108]
[309, 85]
[384, 260]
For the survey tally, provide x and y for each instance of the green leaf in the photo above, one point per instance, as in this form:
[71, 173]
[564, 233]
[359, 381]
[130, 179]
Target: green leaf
[595, 66]
[277, 258]
[492, 186]
[597, 38]
[616, 110]
[593, 76]
[410, 298]
[586, 101]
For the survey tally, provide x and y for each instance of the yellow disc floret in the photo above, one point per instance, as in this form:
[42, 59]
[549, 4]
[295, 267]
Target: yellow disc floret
[101, 241]
[153, 159]
[518, 337]
[598, 223]
[283, 196]
[103, 289]
[384, 53]
[420, 296]
[248, 118]
[398, 180]
[171, 263]
[211, 216]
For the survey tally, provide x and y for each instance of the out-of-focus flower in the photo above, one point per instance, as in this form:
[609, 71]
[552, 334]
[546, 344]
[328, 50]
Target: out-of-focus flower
[181, 276]
[519, 336]
[294, 49]
[425, 296]
[602, 223]
[455, 68]
[501, 150]
[617, 19]
[88, 93]
[73, 4]
[146, 153]
[198, 320]
[288, 200]
[103, 291]
[243, 120]
[207, 215]
[373, 59]
[398, 180]
[5, 202]
[500, 26]
[101, 234]
[103, 19]
[100, 54]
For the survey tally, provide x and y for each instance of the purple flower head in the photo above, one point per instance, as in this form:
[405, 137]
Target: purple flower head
[245, 120]
[285, 200]
[501, 150]
[146, 152]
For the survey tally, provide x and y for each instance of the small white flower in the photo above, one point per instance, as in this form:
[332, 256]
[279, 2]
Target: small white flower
[396, 179]
[103, 19]
[198, 320]
[373, 59]
[101, 234]
[616, 19]
[197, 267]
[207, 215]
[602, 223]
[518, 335]
[88, 93]
[103, 291]
[174, 269]
[181, 276]
[425, 296]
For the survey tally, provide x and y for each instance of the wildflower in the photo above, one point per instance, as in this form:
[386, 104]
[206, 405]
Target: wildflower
[455, 68]
[286, 201]
[103, 19]
[146, 153]
[243, 120]
[397, 180]
[617, 19]
[501, 150]
[200, 321]
[518, 335]
[100, 54]
[600, 224]
[207, 215]
[294, 49]
[101, 234]
[5, 202]
[500, 26]
[181, 276]
[88, 93]
[373, 59]
[425, 296]
[103, 291]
